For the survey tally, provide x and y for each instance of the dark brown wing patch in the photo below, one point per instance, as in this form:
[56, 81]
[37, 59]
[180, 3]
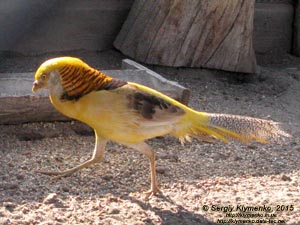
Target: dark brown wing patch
[149, 105]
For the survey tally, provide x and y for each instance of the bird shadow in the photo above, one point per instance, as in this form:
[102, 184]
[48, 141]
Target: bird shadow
[167, 216]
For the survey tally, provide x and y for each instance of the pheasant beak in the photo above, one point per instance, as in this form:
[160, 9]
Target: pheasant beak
[36, 86]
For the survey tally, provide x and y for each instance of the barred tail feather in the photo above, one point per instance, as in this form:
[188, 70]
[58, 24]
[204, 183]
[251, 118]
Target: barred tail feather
[227, 127]
[246, 129]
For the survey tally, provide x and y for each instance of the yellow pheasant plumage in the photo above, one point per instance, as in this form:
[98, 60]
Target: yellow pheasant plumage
[130, 113]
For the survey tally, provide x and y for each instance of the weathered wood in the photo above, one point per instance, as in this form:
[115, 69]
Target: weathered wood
[19, 105]
[22, 109]
[156, 81]
[195, 33]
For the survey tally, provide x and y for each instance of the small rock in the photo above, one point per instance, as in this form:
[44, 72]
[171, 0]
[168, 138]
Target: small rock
[162, 156]
[107, 177]
[8, 199]
[114, 211]
[20, 176]
[252, 146]
[161, 169]
[24, 167]
[5, 221]
[53, 199]
[78, 198]
[285, 178]
[237, 158]
[28, 154]
[238, 199]
[219, 156]
[25, 210]
[174, 158]
[7, 186]
[113, 199]
[9, 205]
[197, 195]
[3, 178]
[65, 189]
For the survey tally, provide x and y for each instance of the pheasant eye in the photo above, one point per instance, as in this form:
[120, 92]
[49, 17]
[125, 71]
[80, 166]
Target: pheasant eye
[44, 76]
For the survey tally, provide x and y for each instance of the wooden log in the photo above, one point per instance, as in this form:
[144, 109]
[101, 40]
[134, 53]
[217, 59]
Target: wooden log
[19, 105]
[194, 33]
[156, 81]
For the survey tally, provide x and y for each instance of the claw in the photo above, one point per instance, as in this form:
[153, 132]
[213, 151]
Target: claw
[152, 192]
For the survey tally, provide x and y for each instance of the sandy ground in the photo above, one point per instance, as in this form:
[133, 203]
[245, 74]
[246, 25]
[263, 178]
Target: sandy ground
[202, 183]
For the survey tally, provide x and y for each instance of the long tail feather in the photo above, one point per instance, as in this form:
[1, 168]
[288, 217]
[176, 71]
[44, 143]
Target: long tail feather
[245, 129]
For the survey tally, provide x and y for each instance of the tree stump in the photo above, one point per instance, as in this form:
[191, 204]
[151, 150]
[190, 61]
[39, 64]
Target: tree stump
[192, 33]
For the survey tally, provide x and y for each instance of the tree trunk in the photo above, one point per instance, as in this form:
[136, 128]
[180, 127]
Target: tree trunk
[194, 33]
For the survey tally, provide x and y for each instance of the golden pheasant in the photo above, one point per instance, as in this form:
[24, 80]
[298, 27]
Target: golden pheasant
[130, 113]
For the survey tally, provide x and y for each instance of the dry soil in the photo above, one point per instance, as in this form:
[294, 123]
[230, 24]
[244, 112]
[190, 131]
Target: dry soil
[201, 183]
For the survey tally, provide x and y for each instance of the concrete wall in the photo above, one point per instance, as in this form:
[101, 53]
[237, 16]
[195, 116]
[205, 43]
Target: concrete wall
[273, 26]
[39, 26]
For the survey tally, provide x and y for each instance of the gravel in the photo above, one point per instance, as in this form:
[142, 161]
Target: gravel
[200, 181]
